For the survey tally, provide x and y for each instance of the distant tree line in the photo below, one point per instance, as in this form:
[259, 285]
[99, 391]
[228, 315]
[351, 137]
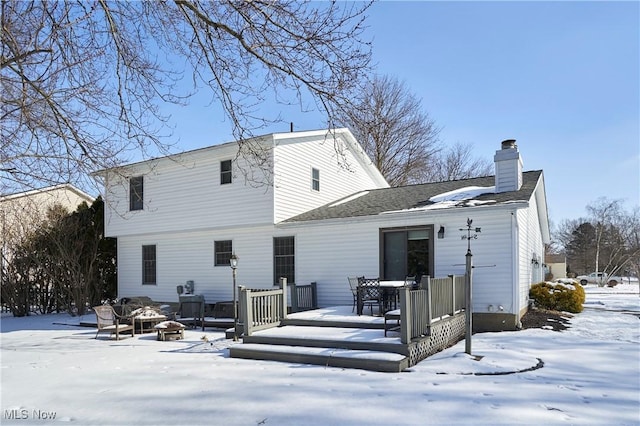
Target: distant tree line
[63, 265]
[608, 240]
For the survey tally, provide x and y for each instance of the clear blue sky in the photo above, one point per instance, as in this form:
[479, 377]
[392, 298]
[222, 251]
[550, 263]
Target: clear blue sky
[562, 78]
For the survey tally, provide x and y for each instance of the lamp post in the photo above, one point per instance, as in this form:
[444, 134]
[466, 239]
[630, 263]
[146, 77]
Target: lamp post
[233, 262]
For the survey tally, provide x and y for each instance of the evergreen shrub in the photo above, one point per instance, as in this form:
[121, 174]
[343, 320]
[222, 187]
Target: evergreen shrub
[558, 297]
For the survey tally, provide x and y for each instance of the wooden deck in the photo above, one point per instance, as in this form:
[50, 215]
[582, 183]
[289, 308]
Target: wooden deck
[331, 357]
[430, 319]
[336, 338]
[331, 343]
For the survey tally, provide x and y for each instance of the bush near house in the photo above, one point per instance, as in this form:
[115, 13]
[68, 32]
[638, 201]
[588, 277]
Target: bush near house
[558, 297]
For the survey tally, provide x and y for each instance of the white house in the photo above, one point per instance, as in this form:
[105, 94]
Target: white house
[327, 215]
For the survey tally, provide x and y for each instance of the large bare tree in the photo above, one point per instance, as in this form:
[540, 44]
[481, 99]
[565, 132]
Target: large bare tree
[457, 162]
[402, 139]
[83, 82]
[393, 128]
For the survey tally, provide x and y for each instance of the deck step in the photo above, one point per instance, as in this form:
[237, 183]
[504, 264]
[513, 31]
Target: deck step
[329, 337]
[328, 356]
[341, 324]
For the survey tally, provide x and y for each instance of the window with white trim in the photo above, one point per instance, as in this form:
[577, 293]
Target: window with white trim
[315, 179]
[149, 264]
[226, 174]
[223, 251]
[284, 259]
[136, 193]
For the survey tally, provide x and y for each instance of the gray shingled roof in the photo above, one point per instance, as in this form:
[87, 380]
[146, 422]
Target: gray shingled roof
[406, 197]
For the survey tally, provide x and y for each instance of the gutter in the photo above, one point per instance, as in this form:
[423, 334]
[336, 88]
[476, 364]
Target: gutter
[398, 215]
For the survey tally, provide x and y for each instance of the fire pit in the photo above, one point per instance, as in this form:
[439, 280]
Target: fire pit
[169, 330]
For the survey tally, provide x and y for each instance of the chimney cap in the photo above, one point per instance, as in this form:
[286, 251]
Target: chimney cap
[509, 144]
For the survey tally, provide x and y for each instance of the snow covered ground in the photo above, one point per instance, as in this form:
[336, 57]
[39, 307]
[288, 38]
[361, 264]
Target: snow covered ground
[53, 373]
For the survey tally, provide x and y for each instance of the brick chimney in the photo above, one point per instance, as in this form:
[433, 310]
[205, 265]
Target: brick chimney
[508, 167]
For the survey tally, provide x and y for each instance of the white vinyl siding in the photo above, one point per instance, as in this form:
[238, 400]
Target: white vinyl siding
[188, 256]
[329, 252]
[186, 211]
[530, 244]
[182, 194]
[292, 162]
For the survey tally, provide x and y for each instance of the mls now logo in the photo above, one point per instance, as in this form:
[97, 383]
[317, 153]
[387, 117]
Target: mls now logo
[16, 414]
[24, 414]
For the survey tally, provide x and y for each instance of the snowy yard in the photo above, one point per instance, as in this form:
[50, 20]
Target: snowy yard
[53, 373]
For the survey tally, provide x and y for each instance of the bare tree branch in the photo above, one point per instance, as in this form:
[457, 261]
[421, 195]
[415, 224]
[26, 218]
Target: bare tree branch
[457, 162]
[390, 123]
[83, 84]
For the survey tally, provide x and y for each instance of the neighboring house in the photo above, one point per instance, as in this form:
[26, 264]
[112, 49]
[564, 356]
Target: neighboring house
[556, 265]
[21, 212]
[180, 218]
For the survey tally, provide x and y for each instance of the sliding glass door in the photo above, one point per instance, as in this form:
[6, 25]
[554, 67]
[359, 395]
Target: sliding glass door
[406, 252]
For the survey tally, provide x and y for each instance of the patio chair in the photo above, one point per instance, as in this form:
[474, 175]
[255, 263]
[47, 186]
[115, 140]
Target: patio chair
[370, 294]
[353, 284]
[191, 311]
[391, 321]
[109, 321]
[411, 282]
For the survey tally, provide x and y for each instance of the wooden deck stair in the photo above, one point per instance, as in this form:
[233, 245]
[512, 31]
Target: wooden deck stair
[344, 345]
[432, 319]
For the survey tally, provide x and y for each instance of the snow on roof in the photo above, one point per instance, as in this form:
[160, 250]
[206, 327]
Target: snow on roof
[463, 197]
[464, 193]
[349, 198]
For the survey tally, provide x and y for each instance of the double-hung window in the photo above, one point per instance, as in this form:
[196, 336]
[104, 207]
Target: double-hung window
[149, 264]
[136, 193]
[284, 259]
[315, 179]
[226, 174]
[223, 251]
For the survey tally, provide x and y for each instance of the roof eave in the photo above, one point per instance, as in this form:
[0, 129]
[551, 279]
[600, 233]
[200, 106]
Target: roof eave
[510, 205]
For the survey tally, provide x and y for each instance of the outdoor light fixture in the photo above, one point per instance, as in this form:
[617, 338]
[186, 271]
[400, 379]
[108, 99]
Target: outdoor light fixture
[233, 262]
[441, 232]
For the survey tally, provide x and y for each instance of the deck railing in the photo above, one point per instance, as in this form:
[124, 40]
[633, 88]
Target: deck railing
[304, 297]
[437, 298]
[261, 309]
